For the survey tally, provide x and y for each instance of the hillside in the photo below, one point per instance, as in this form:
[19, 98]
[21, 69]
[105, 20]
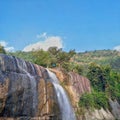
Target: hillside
[101, 57]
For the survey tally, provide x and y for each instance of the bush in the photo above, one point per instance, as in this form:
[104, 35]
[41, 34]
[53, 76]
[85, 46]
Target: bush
[2, 49]
[94, 100]
[86, 101]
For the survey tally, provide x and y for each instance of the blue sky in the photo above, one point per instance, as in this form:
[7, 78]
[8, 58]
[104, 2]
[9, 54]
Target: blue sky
[79, 24]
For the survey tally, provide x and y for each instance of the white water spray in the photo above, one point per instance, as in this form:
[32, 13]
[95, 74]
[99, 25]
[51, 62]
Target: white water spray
[23, 67]
[63, 100]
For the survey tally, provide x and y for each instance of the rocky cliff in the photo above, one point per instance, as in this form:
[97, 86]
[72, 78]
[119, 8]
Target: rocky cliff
[25, 90]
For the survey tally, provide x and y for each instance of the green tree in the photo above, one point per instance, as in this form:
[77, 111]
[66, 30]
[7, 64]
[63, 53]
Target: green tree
[113, 89]
[78, 69]
[63, 56]
[2, 50]
[42, 58]
[60, 57]
[86, 101]
[54, 51]
[98, 75]
[71, 53]
[115, 63]
[28, 56]
[94, 100]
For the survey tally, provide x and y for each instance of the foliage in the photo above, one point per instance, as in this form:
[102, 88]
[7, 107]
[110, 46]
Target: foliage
[93, 100]
[69, 66]
[86, 101]
[113, 87]
[42, 58]
[101, 57]
[2, 50]
[115, 63]
[28, 56]
[60, 57]
[54, 57]
[54, 51]
[98, 75]
[63, 56]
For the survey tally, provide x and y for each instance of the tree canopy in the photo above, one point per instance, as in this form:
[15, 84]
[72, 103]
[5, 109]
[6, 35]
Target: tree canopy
[2, 49]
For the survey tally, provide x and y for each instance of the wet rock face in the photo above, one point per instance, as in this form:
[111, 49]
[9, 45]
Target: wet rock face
[79, 83]
[115, 107]
[25, 89]
[74, 84]
[78, 86]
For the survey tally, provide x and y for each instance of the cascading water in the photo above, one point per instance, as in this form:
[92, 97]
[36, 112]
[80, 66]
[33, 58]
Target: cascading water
[63, 100]
[24, 87]
[23, 68]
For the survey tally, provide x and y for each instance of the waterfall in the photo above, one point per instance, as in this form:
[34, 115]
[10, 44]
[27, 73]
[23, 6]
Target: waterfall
[63, 100]
[23, 95]
[24, 69]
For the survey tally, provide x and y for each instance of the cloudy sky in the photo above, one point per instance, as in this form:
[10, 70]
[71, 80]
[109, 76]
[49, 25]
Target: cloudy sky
[70, 24]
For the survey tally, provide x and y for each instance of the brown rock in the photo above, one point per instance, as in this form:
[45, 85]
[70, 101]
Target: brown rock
[3, 93]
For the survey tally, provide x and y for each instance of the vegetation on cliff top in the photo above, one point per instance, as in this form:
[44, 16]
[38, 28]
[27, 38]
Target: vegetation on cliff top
[2, 50]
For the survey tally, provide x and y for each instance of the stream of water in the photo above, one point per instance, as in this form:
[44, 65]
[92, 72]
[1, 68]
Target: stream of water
[63, 100]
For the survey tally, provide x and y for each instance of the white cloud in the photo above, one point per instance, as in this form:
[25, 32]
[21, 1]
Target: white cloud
[117, 48]
[43, 35]
[9, 49]
[5, 45]
[48, 41]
